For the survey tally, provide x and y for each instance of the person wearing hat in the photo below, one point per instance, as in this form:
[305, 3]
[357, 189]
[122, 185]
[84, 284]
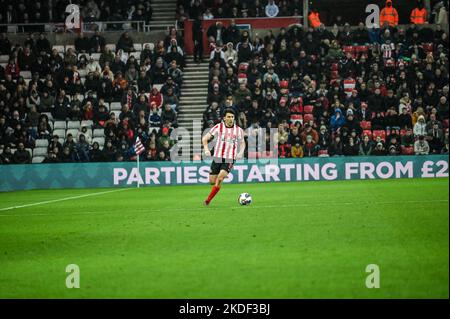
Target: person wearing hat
[379, 150]
[420, 126]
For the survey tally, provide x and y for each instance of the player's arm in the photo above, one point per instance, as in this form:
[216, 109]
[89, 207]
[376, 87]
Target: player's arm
[242, 145]
[205, 141]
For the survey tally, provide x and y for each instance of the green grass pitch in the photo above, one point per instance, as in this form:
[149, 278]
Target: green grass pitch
[297, 240]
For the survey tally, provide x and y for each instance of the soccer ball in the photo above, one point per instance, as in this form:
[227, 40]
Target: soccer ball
[245, 199]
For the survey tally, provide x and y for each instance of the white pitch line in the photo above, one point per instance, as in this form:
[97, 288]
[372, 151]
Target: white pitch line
[206, 209]
[61, 199]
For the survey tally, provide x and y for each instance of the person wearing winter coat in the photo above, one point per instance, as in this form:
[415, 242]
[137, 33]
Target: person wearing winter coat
[420, 126]
[337, 120]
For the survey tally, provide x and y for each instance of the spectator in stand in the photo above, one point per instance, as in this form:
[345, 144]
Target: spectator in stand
[95, 155]
[379, 150]
[420, 126]
[421, 146]
[81, 150]
[125, 43]
[21, 156]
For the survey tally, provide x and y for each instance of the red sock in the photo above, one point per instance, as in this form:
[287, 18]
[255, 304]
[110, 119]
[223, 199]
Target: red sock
[213, 193]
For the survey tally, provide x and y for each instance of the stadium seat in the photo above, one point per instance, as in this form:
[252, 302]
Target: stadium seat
[115, 106]
[368, 133]
[99, 140]
[83, 80]
[87, 123]
[117, 113]
[25, 74]
[307, 118]
[37, 159]
[82, 72]
[99, 132]
[73, 125]
[445, 123]
[59, 125]
[137, 46]
[96, 56]
[111, 46]
[296, 118]
[158, 86]
[308, 109]
[59, 48]
[42, 142]
[49, 115]
[366, 125]
[407, 150]
[137, 55]
[40, 151]
[151, 44]
[4, 58]
[362, 49]
[379, 133]
[74, 132]
[348, 49]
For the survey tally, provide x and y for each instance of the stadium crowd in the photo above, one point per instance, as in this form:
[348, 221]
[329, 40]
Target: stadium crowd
[120, 91]
[328, 92]
[44, 11]
[377, 91]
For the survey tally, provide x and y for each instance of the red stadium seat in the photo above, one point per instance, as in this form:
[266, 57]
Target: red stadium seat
[308, 109]
[348, 49]
[307, 118]
[334, 67]
[366, 125]
[402, 132]
[362, 49]
[407, 150]
[296, 118]
[322, 153]
[368, 133]
[445, 123]
[380, 133]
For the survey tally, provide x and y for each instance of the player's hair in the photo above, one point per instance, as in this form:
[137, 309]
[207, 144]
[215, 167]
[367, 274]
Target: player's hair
[228, 110]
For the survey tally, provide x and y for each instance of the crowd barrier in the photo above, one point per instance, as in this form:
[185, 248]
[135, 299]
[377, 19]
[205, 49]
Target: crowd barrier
[126, 174]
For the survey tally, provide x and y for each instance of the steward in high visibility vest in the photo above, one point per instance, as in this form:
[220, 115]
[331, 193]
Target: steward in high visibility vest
[419, 14]
[314, 20]
[389, 14]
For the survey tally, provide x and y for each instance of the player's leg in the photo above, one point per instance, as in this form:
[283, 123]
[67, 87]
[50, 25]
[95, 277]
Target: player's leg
[224, 170]
[220, 178]
[213, 173]
[212, 179]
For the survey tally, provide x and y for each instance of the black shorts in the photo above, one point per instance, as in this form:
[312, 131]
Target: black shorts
[217, 165]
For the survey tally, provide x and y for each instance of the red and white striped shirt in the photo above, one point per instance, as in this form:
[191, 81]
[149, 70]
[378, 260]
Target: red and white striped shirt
[349, 86]
[227, 140]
